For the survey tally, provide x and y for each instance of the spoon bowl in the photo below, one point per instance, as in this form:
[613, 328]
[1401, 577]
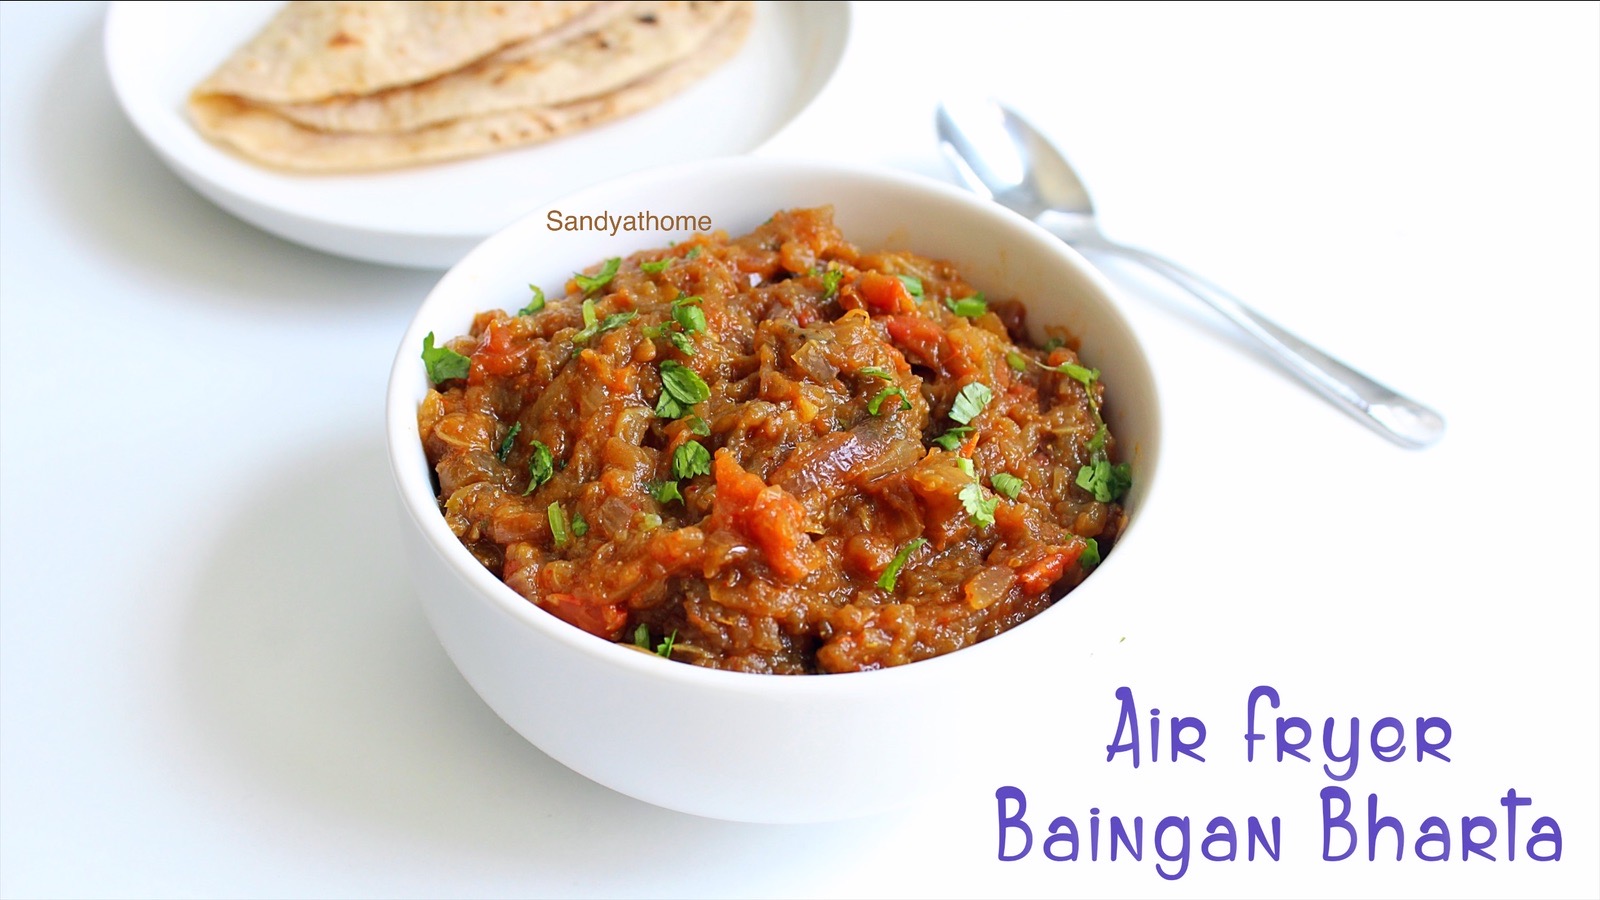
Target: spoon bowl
[998, 154]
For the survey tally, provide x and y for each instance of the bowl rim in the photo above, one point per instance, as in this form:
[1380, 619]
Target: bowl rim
[421, 505]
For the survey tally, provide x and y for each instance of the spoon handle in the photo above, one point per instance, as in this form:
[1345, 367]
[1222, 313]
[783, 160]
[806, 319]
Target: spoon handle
[1391, 414]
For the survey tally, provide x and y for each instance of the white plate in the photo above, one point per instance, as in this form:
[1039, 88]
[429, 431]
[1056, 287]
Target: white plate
[430, 216]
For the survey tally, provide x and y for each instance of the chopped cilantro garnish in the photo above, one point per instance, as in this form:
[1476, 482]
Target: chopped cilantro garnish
[876, 403]
[687, 313]
[508, 442]
[664, 649]
[665, 492]
[691, 459]
[591, 283]
[1017, 361]
[593, 324]
[1081, 374]
[558, 523]
[979, 504]
[683, 342]
[913, 285]
[1053, 343]
[830, 282]
[965, 465]
[698, 426]
[1105, 481]
[534, 305]
[1090, 557]
[655, 331]
[1007, 484]
[1098, 442]
[968, 307]
[579, 526]
[693, 252]
[951, 439]
[541, 468]
[442, 362]
[681, 388]
[657, 266]
[892, 571]
[875, 372]
[971, 401]
[641, 636]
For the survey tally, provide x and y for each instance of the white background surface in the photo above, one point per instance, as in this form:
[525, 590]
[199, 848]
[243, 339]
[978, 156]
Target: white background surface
[216, 680]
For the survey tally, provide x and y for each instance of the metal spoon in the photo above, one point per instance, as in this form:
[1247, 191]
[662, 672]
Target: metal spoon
[1000, 155]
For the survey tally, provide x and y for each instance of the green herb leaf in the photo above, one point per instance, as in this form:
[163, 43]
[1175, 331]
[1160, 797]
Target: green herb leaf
[656, 267]
[665, 492]
[1053, 343]
[442, 362]
[693, 252]
[641, 636]
[1017, 361]
[1007, 484]
[830, 282]
[669, 408]
[690, 317]
[876, 403]
[971, 401]
[558, 524]
[683, 342]
[913, 285]
[592, 327]
[579, 526]
[655, 331]
[508, 442]
[875, 372]
[664, 649]
[691, 459]
[1121, 480]
[1081, 374]
[951, 439]
[534, 305]
[1098, 442]
[1090, 557]
[892, 571]
[968, 307]
[591, 314]
[1105, 481]
[965, 465]
[681, 388]
[698, 426]
[591, 283]
[979, 503]
[541, 468]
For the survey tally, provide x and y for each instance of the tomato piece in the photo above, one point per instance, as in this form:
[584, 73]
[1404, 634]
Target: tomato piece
[917, 337]
[498, 354]
[766, 515]
[885, 294]
[1037, 577]
[600, 619]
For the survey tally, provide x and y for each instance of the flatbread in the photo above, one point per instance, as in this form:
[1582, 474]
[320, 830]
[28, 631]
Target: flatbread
[316, 50]
[551, 70]
[267, 137]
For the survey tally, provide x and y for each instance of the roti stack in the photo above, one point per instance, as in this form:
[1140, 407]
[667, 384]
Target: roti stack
[347, 86]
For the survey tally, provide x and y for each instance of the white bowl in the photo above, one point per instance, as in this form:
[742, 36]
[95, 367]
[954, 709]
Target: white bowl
[760, 748]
